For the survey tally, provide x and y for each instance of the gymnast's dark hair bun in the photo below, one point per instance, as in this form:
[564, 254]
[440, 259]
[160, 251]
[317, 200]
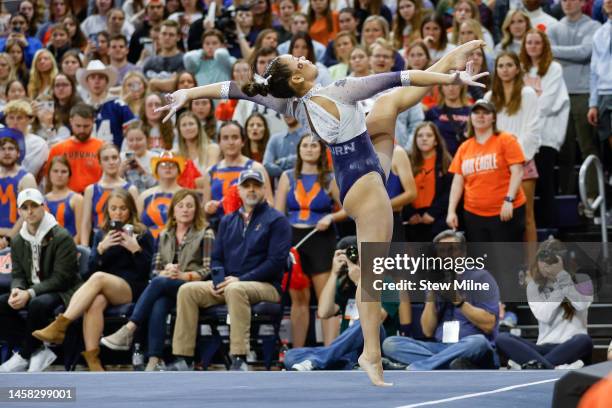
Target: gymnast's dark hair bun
[254, 88]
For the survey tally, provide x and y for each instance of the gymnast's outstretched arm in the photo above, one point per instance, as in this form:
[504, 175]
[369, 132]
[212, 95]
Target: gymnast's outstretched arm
[220, 90]
[402, 99]
[351, 89]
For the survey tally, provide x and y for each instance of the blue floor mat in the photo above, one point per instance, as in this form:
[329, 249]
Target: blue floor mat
[316, 389]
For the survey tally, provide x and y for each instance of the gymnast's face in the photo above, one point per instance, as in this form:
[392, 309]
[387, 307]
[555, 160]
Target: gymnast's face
[302, 69]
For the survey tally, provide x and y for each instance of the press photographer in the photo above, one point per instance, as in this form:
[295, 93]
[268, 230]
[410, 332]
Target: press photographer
[462, 323]
[338, 299]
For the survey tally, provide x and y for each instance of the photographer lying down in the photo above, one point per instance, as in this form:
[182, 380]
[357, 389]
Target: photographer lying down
[463, 324]
[338, 298]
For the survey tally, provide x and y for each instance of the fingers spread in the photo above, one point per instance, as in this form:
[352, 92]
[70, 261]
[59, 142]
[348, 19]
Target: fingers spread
[169, 115]
[481, 75]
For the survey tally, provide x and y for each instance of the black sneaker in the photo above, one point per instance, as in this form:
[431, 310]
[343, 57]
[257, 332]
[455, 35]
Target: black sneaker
[533, 365]
[238, 364]
[462, 363]
[389, 364]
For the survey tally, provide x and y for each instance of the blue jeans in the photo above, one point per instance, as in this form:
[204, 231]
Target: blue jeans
[578, 347]
[152, 307]
[426, 355]
[341, 354]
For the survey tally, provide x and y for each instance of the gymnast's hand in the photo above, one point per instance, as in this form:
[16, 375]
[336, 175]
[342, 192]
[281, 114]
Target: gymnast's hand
[467, 77]
[176, 100]
[458, 56]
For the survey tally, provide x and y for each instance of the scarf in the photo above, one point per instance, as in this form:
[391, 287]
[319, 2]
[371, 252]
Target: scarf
[47, 223]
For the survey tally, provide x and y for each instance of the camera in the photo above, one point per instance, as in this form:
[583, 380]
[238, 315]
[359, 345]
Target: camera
[226, 24]
[116, 225]
[548, 257]
[352, 254]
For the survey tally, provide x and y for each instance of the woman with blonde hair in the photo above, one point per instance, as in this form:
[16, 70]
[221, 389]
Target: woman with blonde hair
[119, 267]
[375, 27]
[183, 255]
[194, 144]
[133, 90]
[344, 44]
[7, 72]
[515, 26]
[464, 10]
[42, 73]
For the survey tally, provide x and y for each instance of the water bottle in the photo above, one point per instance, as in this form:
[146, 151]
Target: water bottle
[137, 358]
[283, 350]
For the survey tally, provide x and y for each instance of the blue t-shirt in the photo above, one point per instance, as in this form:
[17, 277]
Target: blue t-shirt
[488, 301]
[112, 116]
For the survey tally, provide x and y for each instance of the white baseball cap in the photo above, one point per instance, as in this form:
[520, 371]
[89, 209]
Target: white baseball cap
[30, 194]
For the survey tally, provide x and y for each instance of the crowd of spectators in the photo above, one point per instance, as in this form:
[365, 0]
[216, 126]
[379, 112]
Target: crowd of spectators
[203, 209]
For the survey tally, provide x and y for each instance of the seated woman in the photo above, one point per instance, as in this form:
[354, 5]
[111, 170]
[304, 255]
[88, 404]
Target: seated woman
[96, 195]
[183, 255]
[560, 300]
[119, 265]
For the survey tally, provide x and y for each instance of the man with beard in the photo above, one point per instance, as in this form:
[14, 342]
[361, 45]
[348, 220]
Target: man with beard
[112, 113]
[13, 179]
[81, 149]
[248, 261]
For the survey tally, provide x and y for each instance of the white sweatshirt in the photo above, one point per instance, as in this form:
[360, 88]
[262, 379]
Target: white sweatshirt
[554, 104]
[546, 307]
[524, 124]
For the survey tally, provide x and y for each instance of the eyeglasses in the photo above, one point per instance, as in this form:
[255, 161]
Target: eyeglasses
[61, 85]
[381, 56]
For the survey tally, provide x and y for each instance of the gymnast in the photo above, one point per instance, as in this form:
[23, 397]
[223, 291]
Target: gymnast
[361, 162]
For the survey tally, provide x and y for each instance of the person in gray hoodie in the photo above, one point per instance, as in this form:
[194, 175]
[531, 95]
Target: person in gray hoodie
[571, 42]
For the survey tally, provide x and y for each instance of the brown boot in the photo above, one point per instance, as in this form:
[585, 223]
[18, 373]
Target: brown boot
[55, 332]
[93, 362]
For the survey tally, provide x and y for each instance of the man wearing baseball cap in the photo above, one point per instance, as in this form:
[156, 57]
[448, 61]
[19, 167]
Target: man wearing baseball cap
[248, 261]
[44, 276]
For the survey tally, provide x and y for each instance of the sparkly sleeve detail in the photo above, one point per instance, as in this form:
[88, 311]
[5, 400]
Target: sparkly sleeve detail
[234, 92]
[405, 78]
[225, 88]
[351, 90]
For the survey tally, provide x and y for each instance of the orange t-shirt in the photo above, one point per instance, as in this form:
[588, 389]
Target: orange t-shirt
[425, 182]
[486, 172]
[83, 159]
[318, 29]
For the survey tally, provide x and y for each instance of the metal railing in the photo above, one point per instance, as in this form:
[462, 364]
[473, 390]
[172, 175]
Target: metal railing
[598, 202]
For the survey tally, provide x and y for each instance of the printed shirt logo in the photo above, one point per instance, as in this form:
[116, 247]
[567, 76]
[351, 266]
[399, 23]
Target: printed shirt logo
[344, 149]
[9, 200]
[479, 164]
[305, 198]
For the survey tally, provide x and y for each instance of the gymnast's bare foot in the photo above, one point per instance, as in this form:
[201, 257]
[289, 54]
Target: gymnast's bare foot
[374, 371]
